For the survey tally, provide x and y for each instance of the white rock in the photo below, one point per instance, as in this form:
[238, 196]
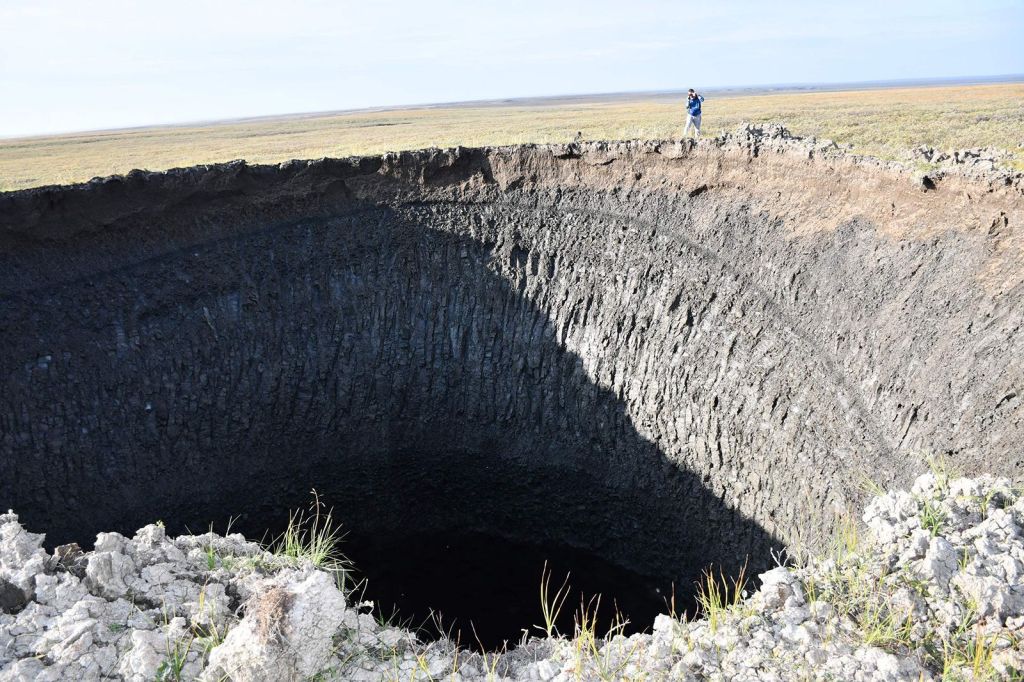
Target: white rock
[940, 563]
[106, 573]
[285, 635]
[148, 652]
[22, 557]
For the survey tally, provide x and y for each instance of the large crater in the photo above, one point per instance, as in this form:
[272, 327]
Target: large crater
[655, 356]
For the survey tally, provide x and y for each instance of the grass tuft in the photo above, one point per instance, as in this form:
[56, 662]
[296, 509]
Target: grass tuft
[932, 517]
[551, 604]
[314, 536]
[717, 596]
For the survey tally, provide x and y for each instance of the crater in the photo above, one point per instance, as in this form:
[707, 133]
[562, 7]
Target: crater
[632, 361]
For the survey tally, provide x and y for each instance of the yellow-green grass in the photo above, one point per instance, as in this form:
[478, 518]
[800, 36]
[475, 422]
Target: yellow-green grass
[883, 122]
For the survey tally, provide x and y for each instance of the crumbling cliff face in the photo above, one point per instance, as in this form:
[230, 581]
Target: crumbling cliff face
[669, 354]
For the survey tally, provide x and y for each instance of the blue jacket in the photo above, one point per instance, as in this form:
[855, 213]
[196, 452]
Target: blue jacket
[693, 105]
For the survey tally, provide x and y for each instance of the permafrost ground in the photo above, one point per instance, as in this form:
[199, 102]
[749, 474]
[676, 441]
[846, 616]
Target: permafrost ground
[666, 355]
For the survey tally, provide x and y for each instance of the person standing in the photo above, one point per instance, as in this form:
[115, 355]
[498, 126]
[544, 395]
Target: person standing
[693, 102]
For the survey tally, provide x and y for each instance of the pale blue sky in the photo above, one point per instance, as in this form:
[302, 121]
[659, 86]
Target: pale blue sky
[75, 65]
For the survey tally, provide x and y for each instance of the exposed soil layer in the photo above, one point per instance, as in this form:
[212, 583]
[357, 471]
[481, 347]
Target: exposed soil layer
[664, 355]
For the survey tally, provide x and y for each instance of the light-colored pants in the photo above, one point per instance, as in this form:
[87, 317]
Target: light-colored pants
[692, 121]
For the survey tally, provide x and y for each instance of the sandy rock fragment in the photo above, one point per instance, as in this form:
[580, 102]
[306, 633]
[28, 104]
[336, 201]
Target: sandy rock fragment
[169, 652]
[22, 557]
[779, 588]
[107, 573]
[940, 563]
[286, 633]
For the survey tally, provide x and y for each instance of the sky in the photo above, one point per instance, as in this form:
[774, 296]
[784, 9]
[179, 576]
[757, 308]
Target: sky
[69, 65]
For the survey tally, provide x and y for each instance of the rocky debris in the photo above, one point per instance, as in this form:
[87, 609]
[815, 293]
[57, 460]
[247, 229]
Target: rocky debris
[932, 591]
[286, 633]
[930, 585]
[979, 158]
[983, 163]
[977, 163]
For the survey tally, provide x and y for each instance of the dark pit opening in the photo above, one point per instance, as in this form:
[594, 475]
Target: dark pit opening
[454, 543]
[484, 591]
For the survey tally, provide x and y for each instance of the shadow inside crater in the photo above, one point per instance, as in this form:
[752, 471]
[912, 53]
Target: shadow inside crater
[383, 362]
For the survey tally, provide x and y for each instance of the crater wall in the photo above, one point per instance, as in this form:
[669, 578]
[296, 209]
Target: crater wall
[672, 354]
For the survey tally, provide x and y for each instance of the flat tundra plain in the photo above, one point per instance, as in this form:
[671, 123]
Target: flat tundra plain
[885, 122]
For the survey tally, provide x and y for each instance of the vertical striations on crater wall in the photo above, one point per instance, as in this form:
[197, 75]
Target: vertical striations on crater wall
[671, 354]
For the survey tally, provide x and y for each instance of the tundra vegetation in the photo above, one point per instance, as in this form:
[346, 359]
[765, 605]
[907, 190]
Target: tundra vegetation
[886, 123]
